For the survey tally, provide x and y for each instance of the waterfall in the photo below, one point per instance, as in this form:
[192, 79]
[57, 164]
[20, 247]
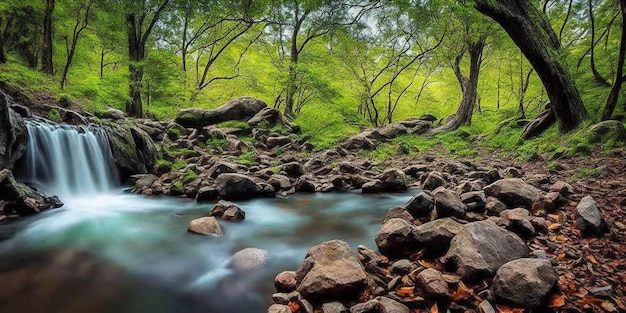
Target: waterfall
[67, 160]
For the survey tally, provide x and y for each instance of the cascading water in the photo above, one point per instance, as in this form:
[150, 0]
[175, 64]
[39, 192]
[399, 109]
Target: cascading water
[67, 160]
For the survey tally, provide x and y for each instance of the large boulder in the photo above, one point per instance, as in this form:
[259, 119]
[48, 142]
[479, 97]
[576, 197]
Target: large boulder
[242, 109]
[232, 186]
[132, 148]
[23, 199]
[331, 271]
[394, 180]
[421, 204]
[448, 203]
[524, 282]
[13, 135]
[481, 248]
[514, 192]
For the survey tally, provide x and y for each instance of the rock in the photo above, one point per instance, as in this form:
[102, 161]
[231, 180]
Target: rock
[518, 221]
[13, 135]
[432, 181]
[607, 130]
[431, 282]
[394, 180]
[524, 282]
[331, 271]
[205, 226]
[420, 204]
[514, 192]
[279, 141]
[221, 168]
[144, 181]
[375, 186]
[22, 199]
[280, 298]
[370, 306]
[334, 307]
[278, 308]
[494, 206]
[234, 214]
[267, 118]
[207, 193]
[481, 248]
[286, 281]
[111, 113]
[358, 142]
[305, 184]
[242, 109]
[249, 259]
[402, 267]
[448, 203]
[396, 237]
[563, 188]
[475, 201]
[231, 186]
[436, 235]
[293, 169]
[589, 220]
[280, 182]
[399, 212]
[387, 305]
[22, 110]
[132, 149]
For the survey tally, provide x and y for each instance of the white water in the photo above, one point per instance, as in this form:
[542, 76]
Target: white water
[67, 160]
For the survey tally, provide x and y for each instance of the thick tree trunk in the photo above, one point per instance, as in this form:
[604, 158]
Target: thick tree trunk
[46, 53]
[136, 55]
[619, 74]
[531, 32]
[469, 86]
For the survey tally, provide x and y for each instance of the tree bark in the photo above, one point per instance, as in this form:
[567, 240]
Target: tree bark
[619, 74]
[532, 33]
[46, 53]
[596, 75]
[469, 86]
[138, 34]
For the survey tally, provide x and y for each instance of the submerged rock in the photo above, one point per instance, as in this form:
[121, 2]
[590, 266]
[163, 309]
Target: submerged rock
[249, 259]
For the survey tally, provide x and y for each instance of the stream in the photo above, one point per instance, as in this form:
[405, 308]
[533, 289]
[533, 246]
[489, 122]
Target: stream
[110, 251]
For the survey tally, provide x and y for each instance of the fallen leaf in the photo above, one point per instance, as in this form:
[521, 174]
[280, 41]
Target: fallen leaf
[294, 306]
[434, 308]
[557, 301]
[405, 279]
[619, 303]
[592, 259]
[608, 306]
[508, 309]
[406, 291]
[589, 300]
[554, 226]
[462, 292]
[620, 225]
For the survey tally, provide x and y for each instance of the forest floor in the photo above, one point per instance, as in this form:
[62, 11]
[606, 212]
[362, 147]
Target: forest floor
[592, 271]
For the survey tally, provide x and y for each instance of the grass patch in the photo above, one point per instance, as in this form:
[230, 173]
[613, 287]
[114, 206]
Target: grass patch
[247, 158]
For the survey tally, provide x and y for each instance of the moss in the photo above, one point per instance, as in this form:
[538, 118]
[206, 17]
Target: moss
[54, 115]
[217, 144]
[233, 124]
[173, 133]
[189, 176]
[178, 185]
[179, 164]
[247, 157]
[161, 162]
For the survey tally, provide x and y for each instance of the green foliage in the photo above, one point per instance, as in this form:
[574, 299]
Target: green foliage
[54, 115]
[233, 124]
[247, 158]
[179, 164]
[217, 145]
[189, 176]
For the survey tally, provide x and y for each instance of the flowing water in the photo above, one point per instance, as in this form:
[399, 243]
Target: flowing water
[108, 251]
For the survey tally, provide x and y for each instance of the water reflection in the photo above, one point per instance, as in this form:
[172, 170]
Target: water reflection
[163, 268]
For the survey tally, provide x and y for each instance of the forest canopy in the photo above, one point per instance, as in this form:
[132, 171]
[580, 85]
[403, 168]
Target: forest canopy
[331, 66]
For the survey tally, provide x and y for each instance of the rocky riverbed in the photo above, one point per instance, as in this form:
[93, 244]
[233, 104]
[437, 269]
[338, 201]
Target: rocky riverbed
[484, 235]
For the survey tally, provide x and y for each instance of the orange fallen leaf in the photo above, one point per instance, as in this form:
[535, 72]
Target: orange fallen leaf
[294, 306]
[592, 259]
[557, 301]
[405, 279]
[426, 264]
[608, 306]
[434, 308]
[590, 300]
[619, 304]
[462, 292]
[508, 309]
[406, 291]
[554, 226]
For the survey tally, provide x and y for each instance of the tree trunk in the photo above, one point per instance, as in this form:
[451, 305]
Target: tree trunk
[596, 75]
[136, 56]
[3, 56]
[469, 86]
[46, 53]
[531, 32]
[619, 76]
